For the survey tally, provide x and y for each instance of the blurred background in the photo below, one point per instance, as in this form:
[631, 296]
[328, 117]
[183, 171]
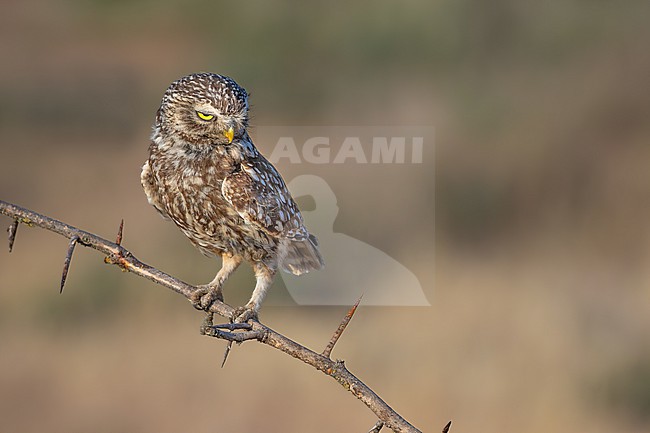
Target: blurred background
[540, 290]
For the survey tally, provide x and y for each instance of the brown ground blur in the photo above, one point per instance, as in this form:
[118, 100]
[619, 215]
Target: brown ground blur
[540, 293]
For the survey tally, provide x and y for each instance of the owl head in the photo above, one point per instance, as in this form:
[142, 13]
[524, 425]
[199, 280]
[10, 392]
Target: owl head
[204, 109]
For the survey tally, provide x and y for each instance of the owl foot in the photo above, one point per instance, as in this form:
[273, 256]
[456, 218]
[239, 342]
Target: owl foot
[244, 314]
[207, 324]
[205, 295]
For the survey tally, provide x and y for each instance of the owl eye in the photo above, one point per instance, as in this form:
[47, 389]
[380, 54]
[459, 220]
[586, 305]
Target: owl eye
[204, 116]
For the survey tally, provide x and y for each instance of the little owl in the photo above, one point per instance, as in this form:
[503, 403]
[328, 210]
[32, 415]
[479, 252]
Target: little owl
[205, 174]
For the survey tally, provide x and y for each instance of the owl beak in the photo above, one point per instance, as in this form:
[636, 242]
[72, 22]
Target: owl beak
[230, 134]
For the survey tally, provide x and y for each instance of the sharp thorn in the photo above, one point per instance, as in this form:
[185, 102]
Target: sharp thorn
[377, 427]
[11, 232]
[341, 328]
[447, 427]
[353, 309]
[119, 233]
[226, 353]
[233, 326]
[68, 258]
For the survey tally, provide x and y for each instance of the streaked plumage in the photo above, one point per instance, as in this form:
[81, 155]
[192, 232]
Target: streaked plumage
[205, 174]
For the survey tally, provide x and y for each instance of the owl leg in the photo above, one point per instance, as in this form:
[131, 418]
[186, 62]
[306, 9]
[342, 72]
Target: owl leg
[264, 276]
[206, 294]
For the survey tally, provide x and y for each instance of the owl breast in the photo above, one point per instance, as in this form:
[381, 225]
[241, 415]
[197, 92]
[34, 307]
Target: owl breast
[187, 188]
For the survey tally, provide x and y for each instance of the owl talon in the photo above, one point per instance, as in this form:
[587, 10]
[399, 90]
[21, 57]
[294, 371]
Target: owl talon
[207, 324]
[243, 315]
[204, 296]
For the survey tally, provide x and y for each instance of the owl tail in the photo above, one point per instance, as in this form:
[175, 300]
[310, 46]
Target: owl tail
[302, 256]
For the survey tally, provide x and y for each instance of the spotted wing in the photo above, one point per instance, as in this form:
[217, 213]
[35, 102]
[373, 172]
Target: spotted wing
[151, 190]
[260, 196]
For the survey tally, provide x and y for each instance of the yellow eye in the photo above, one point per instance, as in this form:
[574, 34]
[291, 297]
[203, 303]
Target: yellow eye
[204, 116]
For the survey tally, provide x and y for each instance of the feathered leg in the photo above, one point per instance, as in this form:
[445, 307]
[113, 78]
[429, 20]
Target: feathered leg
[264, 276]
[206, 294]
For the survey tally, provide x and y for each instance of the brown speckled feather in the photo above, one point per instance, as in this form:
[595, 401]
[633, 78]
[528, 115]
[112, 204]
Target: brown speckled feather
[205, 174]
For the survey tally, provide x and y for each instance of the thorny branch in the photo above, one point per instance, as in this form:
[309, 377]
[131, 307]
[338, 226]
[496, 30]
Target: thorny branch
[118, 255]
